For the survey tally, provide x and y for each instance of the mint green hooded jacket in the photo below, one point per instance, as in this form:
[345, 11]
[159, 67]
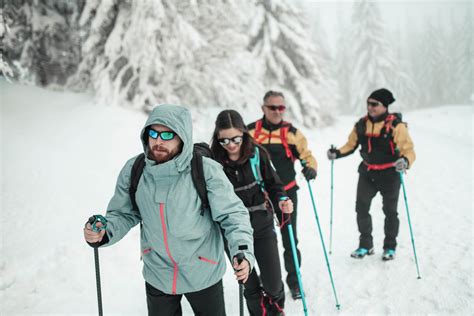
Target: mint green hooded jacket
[182, 250]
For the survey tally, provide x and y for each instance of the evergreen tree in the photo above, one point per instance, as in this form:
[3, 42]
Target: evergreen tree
[433, 66]
[42, 36]
[279, 39]
[463, 59]
[194, 52]
[372, 58]
[327, 92]
[343, 66]
[224, 72]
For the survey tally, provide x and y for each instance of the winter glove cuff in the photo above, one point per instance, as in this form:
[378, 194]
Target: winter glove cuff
[104, 241]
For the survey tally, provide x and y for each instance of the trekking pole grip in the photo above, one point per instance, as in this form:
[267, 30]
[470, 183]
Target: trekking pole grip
[94, 220]
[241, 256]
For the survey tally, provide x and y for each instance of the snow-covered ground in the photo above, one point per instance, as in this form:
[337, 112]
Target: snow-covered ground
[61, 154]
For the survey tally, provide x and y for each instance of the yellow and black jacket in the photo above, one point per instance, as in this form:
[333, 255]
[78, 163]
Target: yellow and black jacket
[382, 141]
[285, 144]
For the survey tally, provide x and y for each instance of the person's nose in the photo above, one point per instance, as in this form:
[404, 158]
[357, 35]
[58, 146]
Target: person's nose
[158, 141]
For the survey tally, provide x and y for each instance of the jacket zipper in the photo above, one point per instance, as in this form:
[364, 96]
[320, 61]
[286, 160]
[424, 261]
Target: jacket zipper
[165, 239]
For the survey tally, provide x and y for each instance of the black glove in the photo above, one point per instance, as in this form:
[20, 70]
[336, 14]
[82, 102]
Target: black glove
[333, 153]
[309, 173]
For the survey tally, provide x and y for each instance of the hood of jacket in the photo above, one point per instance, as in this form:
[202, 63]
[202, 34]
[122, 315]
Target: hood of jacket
[177, 118]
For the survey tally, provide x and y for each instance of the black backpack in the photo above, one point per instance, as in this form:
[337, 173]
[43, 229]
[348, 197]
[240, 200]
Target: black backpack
[200, 150]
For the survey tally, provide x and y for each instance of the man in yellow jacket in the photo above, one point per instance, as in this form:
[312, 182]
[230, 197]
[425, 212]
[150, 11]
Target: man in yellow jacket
[286, 144]
[386, 150]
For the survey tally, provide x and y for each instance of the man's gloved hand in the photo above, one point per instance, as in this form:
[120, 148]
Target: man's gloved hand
[401, 165]
[309, 173]
[332, 153]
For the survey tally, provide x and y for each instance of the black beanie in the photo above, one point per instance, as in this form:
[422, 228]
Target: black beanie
[382, 95]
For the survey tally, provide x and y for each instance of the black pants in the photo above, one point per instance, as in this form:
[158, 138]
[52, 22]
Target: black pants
[291, 278]
[387, 182]
[266, 253]
[207, 302]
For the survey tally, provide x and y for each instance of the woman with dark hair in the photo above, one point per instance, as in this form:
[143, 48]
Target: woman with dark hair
[248, 167]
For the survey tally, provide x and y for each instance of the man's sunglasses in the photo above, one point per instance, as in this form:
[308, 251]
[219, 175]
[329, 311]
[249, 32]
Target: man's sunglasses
[373, 104]
[226, 141]
[165, 135]
[272, 107]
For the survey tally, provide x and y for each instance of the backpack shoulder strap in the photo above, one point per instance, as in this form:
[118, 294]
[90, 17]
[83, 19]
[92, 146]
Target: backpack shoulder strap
[199, 180]
[258, 129]
[361, 126]
[397, 119]
[284, 140]
[137, 171]
[391, 121]
[255, 165]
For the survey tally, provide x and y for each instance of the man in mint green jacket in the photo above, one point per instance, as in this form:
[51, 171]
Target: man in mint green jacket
[182, 250]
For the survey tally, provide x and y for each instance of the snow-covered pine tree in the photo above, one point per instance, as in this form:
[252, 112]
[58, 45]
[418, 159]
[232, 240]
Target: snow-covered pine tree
[146, 52]
[279, 38]
[372, 57]
[42, 36]
[404, 85]
[96, 22]
[224, 72]
[432, 65]
[463, 58]
[123, 53]
[194, 52]
[343, 67]
[327, 92]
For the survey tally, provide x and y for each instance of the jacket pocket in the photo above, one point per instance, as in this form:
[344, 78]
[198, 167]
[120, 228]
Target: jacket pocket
[207, 260]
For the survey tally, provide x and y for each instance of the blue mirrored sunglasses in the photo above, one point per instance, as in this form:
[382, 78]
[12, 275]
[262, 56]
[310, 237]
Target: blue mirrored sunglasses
[165, 135]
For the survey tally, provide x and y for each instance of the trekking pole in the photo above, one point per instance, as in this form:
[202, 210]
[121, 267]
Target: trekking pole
[322, 240]
[240, 257]
[93, 220]
[295, 260]
[332, 201]
[409, 224]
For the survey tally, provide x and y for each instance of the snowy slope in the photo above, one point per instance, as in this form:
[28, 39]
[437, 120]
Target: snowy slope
[61, 155]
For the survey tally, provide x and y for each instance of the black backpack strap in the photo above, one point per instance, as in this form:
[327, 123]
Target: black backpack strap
[360, 127]
[197, 174]
[398, 119]
[137, 170]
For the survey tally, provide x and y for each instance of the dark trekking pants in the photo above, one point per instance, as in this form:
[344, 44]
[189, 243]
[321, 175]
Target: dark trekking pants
[291, 278]
[266, 254]
[387, 182]
[207, 302]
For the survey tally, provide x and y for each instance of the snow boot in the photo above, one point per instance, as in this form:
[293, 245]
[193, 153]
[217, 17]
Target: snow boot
[388, 254]
[360, 253]
[295, 293]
